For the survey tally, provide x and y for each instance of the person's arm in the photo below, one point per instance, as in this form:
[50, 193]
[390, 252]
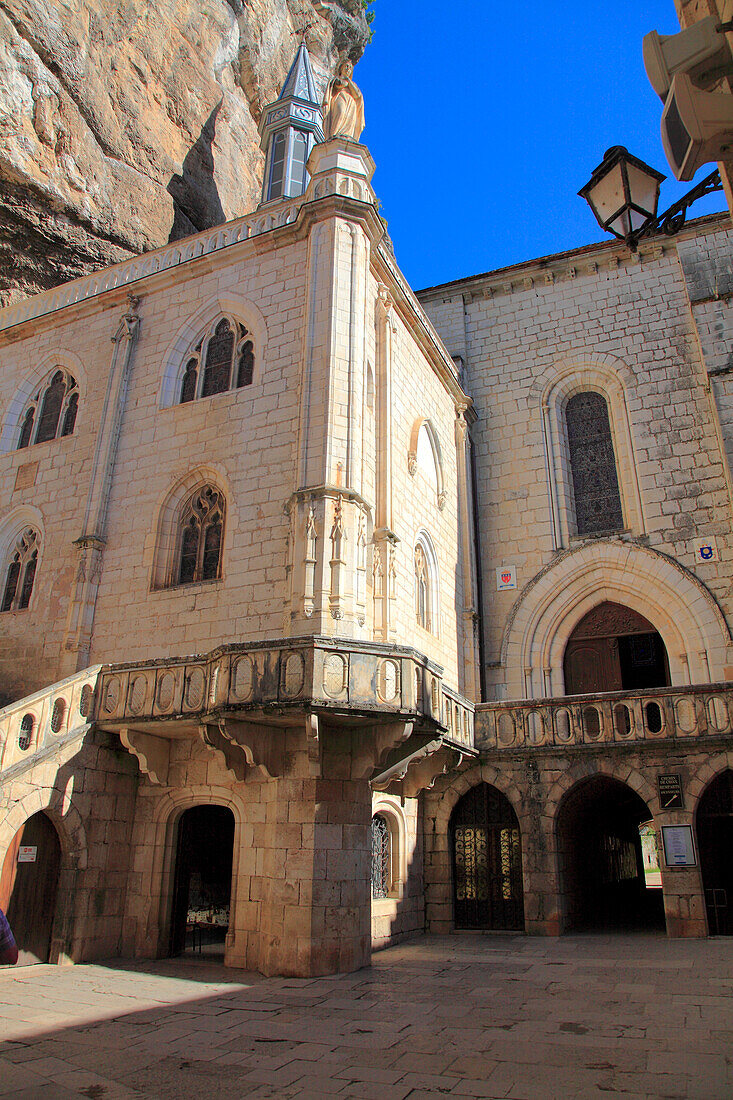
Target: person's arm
[8, 946]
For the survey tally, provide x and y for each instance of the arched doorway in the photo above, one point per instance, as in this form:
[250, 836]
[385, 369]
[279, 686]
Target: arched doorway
[614, 649]
[29, 885]
[714, 820]
[608, 879]
[487, 861]
[203, 881]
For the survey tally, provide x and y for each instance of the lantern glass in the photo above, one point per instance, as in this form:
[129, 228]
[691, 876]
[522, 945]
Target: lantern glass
[623, 193]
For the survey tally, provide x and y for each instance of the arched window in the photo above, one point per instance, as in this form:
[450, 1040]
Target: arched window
[20, 572]
[426, 584]
[223, 360]
[201, 531]
[593, 465]
[381, 857]
[51, 412]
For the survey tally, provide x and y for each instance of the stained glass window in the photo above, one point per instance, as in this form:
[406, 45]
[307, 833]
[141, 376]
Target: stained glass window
[223, 360]
[51, 413]
[593, 465]
[202, 526]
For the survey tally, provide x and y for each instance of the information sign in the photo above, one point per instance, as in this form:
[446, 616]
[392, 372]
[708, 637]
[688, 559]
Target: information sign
[27, 853]
[679, 847]
[670, 792]
[506, 577]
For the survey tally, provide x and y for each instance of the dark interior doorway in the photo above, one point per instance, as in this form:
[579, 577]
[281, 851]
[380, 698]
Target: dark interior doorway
[203, 881]
[29, 887]
[614, 649]
[602, 865]
[487, 861]
[715, 841]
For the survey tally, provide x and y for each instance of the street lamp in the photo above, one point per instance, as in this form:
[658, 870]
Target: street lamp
[623, 194]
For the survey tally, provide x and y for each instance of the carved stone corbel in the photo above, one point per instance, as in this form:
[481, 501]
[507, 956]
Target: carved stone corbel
[153, 754]
[214, 739]
[374, 750]
[257, 746]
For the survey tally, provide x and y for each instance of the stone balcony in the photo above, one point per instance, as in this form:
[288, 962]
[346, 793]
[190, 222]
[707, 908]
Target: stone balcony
[702, 712]
[239, 698]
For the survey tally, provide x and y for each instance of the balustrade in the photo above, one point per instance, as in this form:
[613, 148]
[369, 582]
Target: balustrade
[700, 711]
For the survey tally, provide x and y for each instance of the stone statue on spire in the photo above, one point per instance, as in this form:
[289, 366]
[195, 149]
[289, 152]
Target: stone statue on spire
[343, 106]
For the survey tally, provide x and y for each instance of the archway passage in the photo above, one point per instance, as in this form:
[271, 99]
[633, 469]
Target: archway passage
[715, 841]
[29, 886]
[614, 649]
[605, 886]
[487, 861]
[203, 881]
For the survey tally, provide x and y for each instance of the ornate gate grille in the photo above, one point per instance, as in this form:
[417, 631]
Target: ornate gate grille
[487, 862]
[380, 857]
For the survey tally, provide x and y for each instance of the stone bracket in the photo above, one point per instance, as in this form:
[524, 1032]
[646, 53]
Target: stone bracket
[418, 771]
[153, 753]
[215, 739]
[374, 751]
[248, 744]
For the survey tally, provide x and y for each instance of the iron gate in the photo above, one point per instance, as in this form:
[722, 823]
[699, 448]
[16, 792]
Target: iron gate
[487, 862]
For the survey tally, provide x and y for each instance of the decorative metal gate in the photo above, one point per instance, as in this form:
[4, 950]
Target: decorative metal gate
[487, 862]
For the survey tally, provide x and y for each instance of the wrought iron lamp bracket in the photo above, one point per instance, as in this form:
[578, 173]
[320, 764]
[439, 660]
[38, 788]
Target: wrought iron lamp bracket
[672, 220]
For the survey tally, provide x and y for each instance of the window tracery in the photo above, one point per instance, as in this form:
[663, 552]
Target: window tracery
[51, 412]
[593, 464]
[201, 537]
[21, 572]
[222, 360]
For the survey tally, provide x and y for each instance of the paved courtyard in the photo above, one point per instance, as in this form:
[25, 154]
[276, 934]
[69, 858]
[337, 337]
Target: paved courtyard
[462, 1016]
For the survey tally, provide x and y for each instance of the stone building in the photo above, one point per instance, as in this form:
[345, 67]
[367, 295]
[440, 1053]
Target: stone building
[304, 578]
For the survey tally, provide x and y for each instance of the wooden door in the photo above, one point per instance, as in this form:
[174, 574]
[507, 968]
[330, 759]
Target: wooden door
[32, 902]
[592, 665]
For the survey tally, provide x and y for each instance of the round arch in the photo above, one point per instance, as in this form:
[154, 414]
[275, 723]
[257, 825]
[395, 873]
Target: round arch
[674, 601]
[225, 305]
[714, 829]
[64, 816]
[425, 426]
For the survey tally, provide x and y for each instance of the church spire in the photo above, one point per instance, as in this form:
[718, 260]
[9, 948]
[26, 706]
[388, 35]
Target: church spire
[289, 129]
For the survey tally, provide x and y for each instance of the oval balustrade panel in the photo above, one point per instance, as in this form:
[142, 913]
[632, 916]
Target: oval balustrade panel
[111, 695]
[592, 725]
[717, 711]
[195, 688]
[623, 722]
[166, 691]
[434, 696]
[535, 727]
[686, 715]
[85, 701]
[294, 675]
[505, 729]
[654, 718]
[563, 726]
[242, 678]
[57, 715]
[138, 691]
[334, 675]
[418, 689]
[388, 681]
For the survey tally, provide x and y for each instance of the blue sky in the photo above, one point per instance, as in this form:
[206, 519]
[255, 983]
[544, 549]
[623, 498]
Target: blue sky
[484, 126]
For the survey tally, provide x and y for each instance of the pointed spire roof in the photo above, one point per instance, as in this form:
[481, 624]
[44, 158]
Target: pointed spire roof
[299, 82]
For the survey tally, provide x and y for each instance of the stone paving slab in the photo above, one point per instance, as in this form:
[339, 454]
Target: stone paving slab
[497, 1016]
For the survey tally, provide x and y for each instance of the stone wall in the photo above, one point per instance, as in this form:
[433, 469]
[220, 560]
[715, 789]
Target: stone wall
[599, 318]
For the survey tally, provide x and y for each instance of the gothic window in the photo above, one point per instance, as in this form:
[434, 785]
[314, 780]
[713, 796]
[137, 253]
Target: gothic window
[593, 465]
[222, 361]
[201, 530]
[381, 857]
[20, 572]
[422, 588]
[51, 412]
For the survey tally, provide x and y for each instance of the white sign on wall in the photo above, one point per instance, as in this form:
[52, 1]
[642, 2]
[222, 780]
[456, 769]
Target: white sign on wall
[506, 577]
[679, 847]
[27, 853]
[706, 550]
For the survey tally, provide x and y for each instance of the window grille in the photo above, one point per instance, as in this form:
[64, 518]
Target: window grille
[25, 735]
[381, 857]
[51, 412]
[222, 361]
[21, 572]
[593, 465]
[202, 526]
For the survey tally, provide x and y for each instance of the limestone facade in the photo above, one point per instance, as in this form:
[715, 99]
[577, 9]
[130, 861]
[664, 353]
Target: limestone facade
[313, 552]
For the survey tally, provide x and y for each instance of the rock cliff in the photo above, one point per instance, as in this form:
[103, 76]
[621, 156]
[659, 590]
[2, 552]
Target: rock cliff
[128, 123]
